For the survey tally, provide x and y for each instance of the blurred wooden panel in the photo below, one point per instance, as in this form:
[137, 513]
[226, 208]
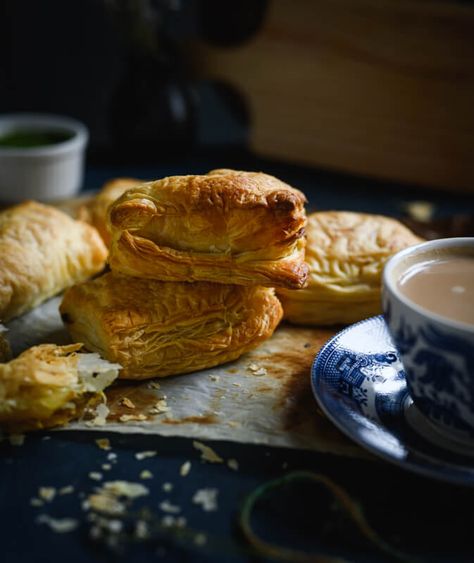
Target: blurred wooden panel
[377, 87]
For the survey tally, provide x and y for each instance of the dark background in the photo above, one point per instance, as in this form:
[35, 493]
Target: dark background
[123, 69]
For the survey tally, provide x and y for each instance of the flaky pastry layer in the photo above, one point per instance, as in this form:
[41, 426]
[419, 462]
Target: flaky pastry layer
[46, 386]
[156, 329]
[43, 251]
[226, 226]
[346, 253]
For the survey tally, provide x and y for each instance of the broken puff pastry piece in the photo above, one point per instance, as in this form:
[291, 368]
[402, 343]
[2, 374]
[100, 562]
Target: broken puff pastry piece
[346, 253]
[226, 226]
[156, 329]
[49, 385]
[43, 251]
[95, 211]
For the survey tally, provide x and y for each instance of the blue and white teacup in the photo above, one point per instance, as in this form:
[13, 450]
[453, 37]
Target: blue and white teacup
[437, 352]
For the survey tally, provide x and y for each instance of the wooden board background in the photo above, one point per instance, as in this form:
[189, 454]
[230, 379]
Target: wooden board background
[383, 88]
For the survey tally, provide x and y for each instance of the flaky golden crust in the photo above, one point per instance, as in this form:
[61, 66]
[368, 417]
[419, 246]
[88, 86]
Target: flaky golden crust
[45, 386]
[43, 251]
[5, 350]
[346, 253]
[226, 227]
[95, 210]
[156, 329]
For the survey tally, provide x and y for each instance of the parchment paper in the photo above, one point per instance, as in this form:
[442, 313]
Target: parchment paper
[264, 397]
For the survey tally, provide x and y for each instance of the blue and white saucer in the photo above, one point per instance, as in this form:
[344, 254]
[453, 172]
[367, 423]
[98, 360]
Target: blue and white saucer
[359, 382]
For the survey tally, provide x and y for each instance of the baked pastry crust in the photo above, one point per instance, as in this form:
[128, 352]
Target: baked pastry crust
[156, 329]
[95, 210]
[47, 386]
[226, 226]
[43, 251]
[5, 349]
[346, 253]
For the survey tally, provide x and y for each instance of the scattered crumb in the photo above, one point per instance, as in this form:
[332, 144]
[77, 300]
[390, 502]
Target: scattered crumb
[256, 369]
[16, 439]
[233, 424]
[167, 487]
[112, 456]
[36, 502]
[154, 385]
[47, 493]
[160, 407]
[101, 414]
[185, 468]
[214, 377]
[103, 443]
[145, 474]
[126, 402]
[233, 464]
[166, 506]
[106, 466]
[141, 529]
[206, 498]
[420, 210]
[126, 489]
[169, 521]
[207, 453]
[200, 539]
[58, 525]
[129, 417]
[108, 498]
[67, 490]
[145, 454]
[235, 384]
[95, 475]
[115, 526]
[105, 503]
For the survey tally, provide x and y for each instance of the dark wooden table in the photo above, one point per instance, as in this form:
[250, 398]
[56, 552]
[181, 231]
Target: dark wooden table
[425, 519]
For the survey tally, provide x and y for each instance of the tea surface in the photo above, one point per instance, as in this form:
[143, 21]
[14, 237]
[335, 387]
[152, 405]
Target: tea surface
[444, 286]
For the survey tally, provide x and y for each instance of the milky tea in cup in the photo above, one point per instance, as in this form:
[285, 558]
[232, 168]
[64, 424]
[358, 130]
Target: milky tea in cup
[443, 284]
[428, 301]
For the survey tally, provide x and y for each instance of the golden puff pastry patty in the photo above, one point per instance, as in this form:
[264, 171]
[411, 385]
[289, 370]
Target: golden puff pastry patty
[95, 210]
[156, 329]
[346, 253]
[5, 349]
[48, 385]
[226, 226]
[43, 251]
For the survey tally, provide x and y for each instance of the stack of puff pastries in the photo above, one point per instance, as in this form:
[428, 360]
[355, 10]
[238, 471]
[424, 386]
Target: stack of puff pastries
[194, 262]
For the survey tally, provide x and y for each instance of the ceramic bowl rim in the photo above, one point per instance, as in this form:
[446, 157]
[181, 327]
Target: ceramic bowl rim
[78, 141]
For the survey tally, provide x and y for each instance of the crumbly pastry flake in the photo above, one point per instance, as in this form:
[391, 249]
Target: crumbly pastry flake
[48, 385]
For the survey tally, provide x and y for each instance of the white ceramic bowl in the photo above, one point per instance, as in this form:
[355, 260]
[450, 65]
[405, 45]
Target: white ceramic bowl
[437, 352]
[47, 172]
